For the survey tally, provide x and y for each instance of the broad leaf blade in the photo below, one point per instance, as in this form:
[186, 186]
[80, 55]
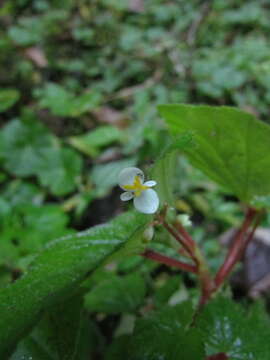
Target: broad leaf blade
[226, 328]
[57, 271]
[232, 147]
[165, 335]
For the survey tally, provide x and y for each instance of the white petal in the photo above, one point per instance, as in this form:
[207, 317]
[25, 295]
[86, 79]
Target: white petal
[127, 176]
[126, 196]
[148, 202]
[150, 183]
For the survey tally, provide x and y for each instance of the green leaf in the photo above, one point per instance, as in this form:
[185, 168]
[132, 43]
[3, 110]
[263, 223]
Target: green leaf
[163, 293]
[64, 103]
[32, 349]
[84, 103]
[261, 202]
[41, 225]
[118, 349]
[231, 146]
[59, 169]
[8, 97]
[163, 170]
[57, 99]
[27, 229]
[28, 32]
[59, 268]
[91, 143]
[19, 193]
[165, 335]
[117, 294]
[226, 327]
[63, 333]
[21, 144]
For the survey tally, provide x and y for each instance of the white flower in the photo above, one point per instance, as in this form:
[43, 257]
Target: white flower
[144, 198]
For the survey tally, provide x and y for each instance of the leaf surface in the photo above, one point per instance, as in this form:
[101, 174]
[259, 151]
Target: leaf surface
[58, 270]
[227, 328]
[232, 146]
[165, 335]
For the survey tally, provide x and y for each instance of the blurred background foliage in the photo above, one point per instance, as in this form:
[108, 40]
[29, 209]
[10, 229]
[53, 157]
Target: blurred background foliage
[79, 85]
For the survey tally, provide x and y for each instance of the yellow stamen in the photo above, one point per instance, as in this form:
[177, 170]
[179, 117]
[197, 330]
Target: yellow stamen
[137, 187]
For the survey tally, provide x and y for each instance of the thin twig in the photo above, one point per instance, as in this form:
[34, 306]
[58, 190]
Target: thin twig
[192, 32]
[130, 91]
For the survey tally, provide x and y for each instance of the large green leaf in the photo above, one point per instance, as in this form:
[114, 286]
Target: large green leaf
[227, 328]
[232, 146]
[57, 270]
[165, 335]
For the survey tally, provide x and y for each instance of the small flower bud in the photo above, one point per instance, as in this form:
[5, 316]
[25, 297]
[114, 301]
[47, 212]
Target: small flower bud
[148, 234]
[184, 219]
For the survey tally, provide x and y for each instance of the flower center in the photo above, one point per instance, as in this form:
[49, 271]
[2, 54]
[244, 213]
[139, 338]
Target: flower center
[137, 187]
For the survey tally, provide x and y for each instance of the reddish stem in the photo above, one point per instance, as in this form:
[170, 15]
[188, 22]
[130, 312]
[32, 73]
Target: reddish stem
[220, 356]
[191, 248]
[180, 228]
[207, 284]
[163, 259]
[237, 248]
[207, 288]
[187, 245]
[250, 236]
